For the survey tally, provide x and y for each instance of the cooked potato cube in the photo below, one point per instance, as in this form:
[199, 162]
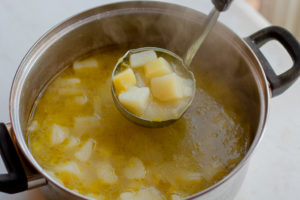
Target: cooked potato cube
[85, 151]
[124, 80]
[66, 82]
[135, 99]
[85, 64]
[84, 124]
[128, 196]
[135, 169]
[187, 86]
[141, 58]
[213, 169]
[33, 126]
[149, 193]
[188, 176]
[70, 167]
[167, 88]
[106, 173]
[81, 99]
[59, 134]
[73, 141]
[71, 81]
[158, 67]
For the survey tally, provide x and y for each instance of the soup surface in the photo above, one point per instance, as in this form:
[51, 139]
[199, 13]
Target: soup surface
[78, 136]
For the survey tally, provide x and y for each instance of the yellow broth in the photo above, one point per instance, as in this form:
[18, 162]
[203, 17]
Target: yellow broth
[174, 162]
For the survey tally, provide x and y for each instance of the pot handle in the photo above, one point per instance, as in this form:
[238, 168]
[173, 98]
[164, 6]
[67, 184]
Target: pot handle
[15, 180]
[278, 83]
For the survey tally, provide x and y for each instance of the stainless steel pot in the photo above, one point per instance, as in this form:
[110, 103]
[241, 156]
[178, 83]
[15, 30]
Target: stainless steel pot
[235, 62]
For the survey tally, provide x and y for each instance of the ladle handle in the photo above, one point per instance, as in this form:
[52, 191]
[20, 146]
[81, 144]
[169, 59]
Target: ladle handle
[278, 83]
[222, 5]
[15, 180]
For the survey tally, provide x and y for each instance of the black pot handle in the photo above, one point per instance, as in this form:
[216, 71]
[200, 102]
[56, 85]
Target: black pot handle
[15, 180]
[278, 83]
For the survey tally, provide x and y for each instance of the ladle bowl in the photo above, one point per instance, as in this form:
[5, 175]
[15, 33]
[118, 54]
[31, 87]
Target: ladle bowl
[178, 66]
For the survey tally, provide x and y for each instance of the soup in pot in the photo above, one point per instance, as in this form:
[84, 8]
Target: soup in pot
[79, 137]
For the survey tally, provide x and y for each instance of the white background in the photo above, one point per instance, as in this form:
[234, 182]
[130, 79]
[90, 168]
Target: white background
[274, 171]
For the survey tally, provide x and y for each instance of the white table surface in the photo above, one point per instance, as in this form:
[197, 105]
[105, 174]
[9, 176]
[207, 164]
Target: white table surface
[274, 171]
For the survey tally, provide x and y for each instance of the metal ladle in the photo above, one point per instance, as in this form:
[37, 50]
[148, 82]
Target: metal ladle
[183, 64]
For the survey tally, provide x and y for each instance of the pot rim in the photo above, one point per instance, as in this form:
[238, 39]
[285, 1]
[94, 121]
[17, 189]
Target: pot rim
[120, 8]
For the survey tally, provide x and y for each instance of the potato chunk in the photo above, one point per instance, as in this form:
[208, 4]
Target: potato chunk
[106, 173]
[33, 126]
[70, 82]
[158, 67]
[135, 99]
[188, 176]
[187, 85]
[128, 196]
[85, 151]
[70, 167]
[81, 99]
[141, 58]
[59, 134]
[85, 64]
[73, 141]
[167, 88]
[85, 124]
[124, 80]
[150, 193]
[135, 169]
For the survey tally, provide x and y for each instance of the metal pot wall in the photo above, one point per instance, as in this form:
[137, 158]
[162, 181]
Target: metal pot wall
[236, 62]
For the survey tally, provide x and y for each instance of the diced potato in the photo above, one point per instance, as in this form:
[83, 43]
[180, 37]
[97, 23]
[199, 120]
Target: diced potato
[175, 197]
[81, 99]
[158, 67]
[150, 193]
[135, 169]
[85, 151]
[73, 141]
[135, 99]
[187, 91]
[189, 176]
[66, 82]
[167, 88]
[84, 124]
[85, 64]
[187, 86]
[59, 134]
[33, 126]
[141, 58]
[70, 167]
[213, 169]
[106, 173]
[124, 80]
[71, 81]
[141, 80]
[128, 196]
